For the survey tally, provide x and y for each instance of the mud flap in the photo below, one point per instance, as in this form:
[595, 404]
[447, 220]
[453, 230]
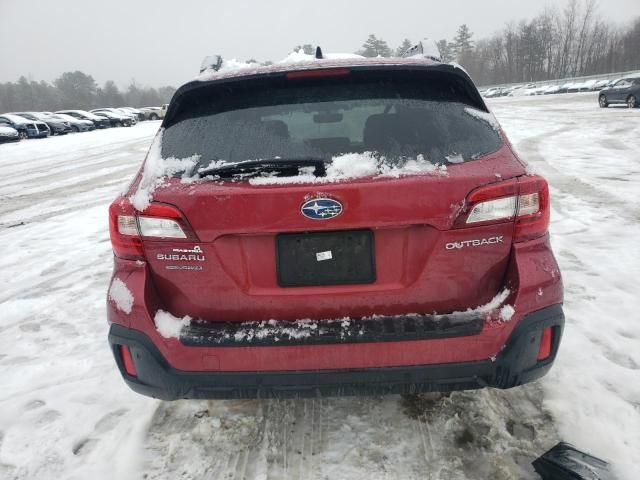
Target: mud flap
[565, 462]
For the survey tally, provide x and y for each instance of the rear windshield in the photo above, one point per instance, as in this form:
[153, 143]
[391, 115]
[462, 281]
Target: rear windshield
[396, 119]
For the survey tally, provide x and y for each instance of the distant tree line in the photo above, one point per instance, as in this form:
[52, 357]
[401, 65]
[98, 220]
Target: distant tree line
[571, 42]
[556, 44]
[77, 90]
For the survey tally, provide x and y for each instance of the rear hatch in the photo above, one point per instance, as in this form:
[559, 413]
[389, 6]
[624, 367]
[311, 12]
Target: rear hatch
[356, 200]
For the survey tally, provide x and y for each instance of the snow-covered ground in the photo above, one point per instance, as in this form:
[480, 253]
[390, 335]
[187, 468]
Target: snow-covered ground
[66, 414]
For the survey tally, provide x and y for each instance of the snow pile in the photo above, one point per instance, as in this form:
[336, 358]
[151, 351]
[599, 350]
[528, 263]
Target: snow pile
[493, 304]
[233, 65]
[486, 116]
[342, 167]
[506, 313]
[300, 57]
[358, 165]
[121, 296]
[455, 158]
[155, 170]
[275, 329]
[169, 326]
[426, 48]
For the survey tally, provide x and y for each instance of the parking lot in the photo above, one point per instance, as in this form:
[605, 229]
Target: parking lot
[63, 397]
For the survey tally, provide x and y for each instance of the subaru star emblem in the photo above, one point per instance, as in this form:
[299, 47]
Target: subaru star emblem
[321, 208]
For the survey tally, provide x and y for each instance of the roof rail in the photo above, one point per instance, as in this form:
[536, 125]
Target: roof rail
[211, 62]
[426, 48]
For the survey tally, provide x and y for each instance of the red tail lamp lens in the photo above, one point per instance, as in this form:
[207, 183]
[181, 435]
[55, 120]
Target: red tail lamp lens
[320, 73]
[545, 343]
[127, 361]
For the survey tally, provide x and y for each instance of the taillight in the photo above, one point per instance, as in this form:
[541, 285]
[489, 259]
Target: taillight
[544, 351]
[525, 200]
[534, 210]
[123, 229]
[127, 360]
[127, 227]
[318, 73]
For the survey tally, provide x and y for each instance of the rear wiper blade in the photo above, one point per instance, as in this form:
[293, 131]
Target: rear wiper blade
[276, 164]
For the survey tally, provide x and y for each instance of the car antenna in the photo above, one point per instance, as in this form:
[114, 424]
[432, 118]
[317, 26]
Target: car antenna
[319, 53]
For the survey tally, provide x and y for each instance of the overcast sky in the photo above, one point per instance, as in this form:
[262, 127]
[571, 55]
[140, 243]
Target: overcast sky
[160, 42]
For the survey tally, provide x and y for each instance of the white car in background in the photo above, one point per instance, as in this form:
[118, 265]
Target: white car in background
[8, 134]
[152, 113]
[77, 125]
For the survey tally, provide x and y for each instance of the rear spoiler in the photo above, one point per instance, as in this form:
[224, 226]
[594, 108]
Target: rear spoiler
[456, 73]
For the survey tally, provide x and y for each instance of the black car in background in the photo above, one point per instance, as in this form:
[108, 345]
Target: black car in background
[26, 128]
[624, 91]
[57, 127]
[99, 122]
[116, 120]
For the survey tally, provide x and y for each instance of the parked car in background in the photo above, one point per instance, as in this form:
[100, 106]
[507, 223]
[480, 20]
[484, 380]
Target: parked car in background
[491, 92]
[57, 127]
[164, 109]
[624, 91]
[26, 128]
[135, 111]
[552, 89]
[124, 111]
[77, 125]
[8, 134]
[98, 122]
[599, 85]
[115, 119]
[133, 119]
[153, 113]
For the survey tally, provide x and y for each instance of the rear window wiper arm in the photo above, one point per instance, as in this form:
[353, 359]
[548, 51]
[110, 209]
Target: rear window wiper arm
[276, 164]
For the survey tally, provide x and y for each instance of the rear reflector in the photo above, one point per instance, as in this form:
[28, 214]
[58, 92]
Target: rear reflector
[545, 343]
[127, 360]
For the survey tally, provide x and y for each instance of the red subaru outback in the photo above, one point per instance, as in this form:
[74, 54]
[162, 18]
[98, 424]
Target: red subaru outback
[332, 227]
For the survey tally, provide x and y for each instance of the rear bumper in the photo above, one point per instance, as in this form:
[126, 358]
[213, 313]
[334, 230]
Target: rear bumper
[516, 364]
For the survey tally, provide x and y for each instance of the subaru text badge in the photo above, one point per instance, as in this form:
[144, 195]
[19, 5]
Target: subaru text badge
[321, 208]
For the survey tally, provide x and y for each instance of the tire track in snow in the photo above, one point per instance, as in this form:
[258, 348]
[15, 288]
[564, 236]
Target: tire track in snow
[466, 435]
[530, 146]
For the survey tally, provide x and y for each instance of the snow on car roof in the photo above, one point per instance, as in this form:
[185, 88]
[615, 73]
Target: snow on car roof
[16, 118]
[301, 61]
